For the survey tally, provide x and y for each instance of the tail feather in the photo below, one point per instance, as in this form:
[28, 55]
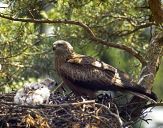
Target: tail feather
[140, 92]
[134, 88]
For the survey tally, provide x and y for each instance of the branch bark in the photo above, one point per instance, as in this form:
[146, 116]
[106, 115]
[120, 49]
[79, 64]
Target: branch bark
[93, 37]
[157, 11]
[153, 58]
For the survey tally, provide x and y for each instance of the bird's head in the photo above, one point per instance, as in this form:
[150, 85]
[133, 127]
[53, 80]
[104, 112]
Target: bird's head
[62, 48]
[49, 83]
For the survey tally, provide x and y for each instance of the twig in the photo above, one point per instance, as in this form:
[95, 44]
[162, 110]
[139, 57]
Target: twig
[50, 105]
[111, 113]
[102, 119]
[154, 105]
[58, 87]
[137, 28]
[146, 120]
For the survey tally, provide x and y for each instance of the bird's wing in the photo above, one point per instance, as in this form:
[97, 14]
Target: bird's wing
[87, 72]
[87, 60]
[91, 74]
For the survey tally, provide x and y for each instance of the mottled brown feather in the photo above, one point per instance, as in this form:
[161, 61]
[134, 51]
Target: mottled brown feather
[86, 75]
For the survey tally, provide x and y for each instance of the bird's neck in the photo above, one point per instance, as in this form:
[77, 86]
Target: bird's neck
[60, 60]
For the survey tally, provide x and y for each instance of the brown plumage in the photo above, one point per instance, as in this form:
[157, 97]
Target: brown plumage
[86, 75]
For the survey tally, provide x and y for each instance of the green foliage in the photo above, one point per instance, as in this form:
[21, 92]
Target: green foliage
[26, 48]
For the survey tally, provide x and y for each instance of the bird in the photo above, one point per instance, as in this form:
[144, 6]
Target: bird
[35, 93]
[86, 75]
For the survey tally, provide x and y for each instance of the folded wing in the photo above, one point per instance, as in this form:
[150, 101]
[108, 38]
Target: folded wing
[89, 73]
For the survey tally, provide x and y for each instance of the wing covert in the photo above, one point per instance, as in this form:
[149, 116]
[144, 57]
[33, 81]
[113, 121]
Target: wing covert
[90, 70]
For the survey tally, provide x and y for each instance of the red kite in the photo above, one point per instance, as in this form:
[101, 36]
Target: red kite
[86, 75]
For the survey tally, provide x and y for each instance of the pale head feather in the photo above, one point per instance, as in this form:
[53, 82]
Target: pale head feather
[63, 42]
[48, 82]
[62, 47]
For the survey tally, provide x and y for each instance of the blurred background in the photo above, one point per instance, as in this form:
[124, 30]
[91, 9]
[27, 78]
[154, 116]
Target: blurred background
[26, 48]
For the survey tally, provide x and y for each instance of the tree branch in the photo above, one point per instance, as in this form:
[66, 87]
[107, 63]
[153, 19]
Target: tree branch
[153, 62]
[157, 11]
[154, 105]
[50, 105]
[153, 57]
[137, 28]
[87, 29]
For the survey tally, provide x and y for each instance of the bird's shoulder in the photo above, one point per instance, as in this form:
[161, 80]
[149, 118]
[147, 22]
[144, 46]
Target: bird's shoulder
[84, 60]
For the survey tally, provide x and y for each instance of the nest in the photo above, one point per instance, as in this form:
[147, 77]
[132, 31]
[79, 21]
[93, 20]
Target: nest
[64, 111]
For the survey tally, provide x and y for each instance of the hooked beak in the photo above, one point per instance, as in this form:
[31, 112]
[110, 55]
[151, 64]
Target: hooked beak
[54, 47]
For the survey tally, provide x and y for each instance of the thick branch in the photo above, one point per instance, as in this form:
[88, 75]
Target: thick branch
[148, 74]
[123, 47]
[153, 62]
[157, 11]
[86, 28]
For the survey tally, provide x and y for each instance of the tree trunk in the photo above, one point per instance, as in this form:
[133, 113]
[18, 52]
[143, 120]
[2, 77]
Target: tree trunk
[153, 58]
